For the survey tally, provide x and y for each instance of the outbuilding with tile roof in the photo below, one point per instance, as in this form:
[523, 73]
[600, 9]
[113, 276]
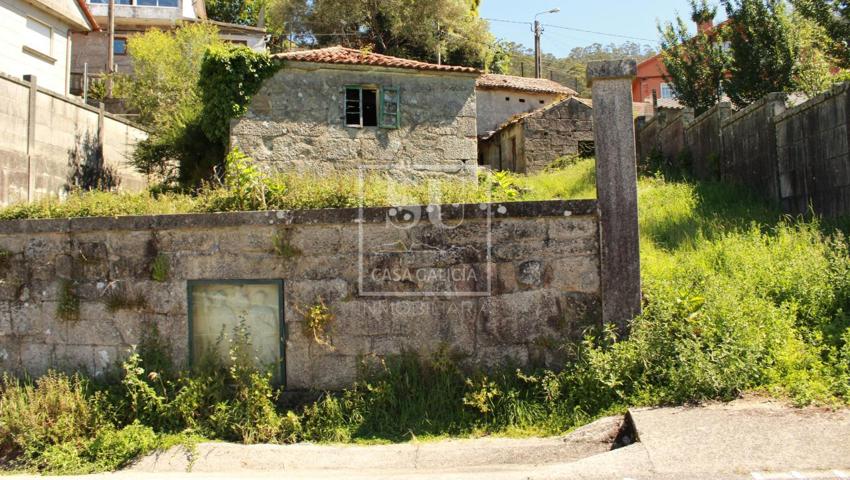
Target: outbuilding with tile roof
[502, 97]
[530, 141]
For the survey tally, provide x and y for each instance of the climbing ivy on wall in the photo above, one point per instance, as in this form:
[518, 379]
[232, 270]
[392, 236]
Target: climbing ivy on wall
[230, 76]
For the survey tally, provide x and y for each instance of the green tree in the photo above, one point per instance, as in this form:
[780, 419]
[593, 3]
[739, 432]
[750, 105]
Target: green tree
[164, 91]
[764, 49]
[414, 29]
[286, 21]
[570, 70]
[166, 68]
[814, 68]
[834, 16]
[242, 12]
[696, 65]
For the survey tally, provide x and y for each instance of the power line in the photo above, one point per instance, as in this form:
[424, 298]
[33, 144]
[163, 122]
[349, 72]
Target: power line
[506, 21]
[601, 33]
[573, 29]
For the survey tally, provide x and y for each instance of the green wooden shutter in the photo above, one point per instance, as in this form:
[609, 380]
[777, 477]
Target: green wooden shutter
[390, 108]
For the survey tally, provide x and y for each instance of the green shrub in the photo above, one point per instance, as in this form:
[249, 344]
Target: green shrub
[736, 299]
[37, 416]
[561, 163]
[231, 400]
[112, 449]
[245, 187]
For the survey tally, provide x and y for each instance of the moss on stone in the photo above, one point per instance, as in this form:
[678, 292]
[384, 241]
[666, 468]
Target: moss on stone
[160, 267]
[68, 308]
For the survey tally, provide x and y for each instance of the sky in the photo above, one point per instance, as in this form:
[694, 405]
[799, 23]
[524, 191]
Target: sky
[630, 18]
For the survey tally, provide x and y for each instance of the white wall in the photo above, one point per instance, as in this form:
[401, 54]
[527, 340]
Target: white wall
[494, 109]
[256, 42]
[13, 36]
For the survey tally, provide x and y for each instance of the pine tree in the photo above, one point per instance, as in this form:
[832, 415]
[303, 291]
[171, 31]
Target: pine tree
[764, 50]
[695, 65]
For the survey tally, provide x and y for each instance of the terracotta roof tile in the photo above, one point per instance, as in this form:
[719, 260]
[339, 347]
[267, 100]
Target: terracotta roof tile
[524, 84]
[350, 56]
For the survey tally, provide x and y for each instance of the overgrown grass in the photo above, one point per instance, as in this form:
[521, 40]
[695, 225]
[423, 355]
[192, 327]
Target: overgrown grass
[737, 298]
[244, 187]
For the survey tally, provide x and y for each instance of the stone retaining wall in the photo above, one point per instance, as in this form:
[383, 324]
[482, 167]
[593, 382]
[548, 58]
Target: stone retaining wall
[529, 282]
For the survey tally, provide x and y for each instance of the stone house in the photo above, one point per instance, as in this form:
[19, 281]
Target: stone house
[530, 141]
[36, 39]
[339, 109]
[137, 16]
[502, 97]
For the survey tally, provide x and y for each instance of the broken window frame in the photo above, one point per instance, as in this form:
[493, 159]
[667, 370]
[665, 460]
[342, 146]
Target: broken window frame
[385, 118]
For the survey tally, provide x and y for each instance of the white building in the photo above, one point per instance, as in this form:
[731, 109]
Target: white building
[35, 39]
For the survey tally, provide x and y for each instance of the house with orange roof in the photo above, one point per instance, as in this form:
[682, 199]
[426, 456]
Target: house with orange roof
[652, 76]
[337, 108]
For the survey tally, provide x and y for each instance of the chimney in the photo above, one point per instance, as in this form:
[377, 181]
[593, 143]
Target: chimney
[705, 26]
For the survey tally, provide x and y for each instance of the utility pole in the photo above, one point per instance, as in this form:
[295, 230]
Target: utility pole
[538, 30]
[110, 52]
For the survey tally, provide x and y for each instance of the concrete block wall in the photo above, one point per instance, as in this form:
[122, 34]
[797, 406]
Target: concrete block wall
[540, 270]
[65, 135]
[749, 146]
[663, 134]
[671, 134]
[813, 157]
[798, 157]
[705, 142]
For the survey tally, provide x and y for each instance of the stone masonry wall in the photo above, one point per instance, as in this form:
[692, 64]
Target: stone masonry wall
[555, 131]
[296, 121]
[497, 106]
[535, 285]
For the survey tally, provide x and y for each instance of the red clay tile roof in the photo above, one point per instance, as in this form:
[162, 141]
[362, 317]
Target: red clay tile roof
[523, 84]
[350, 56]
